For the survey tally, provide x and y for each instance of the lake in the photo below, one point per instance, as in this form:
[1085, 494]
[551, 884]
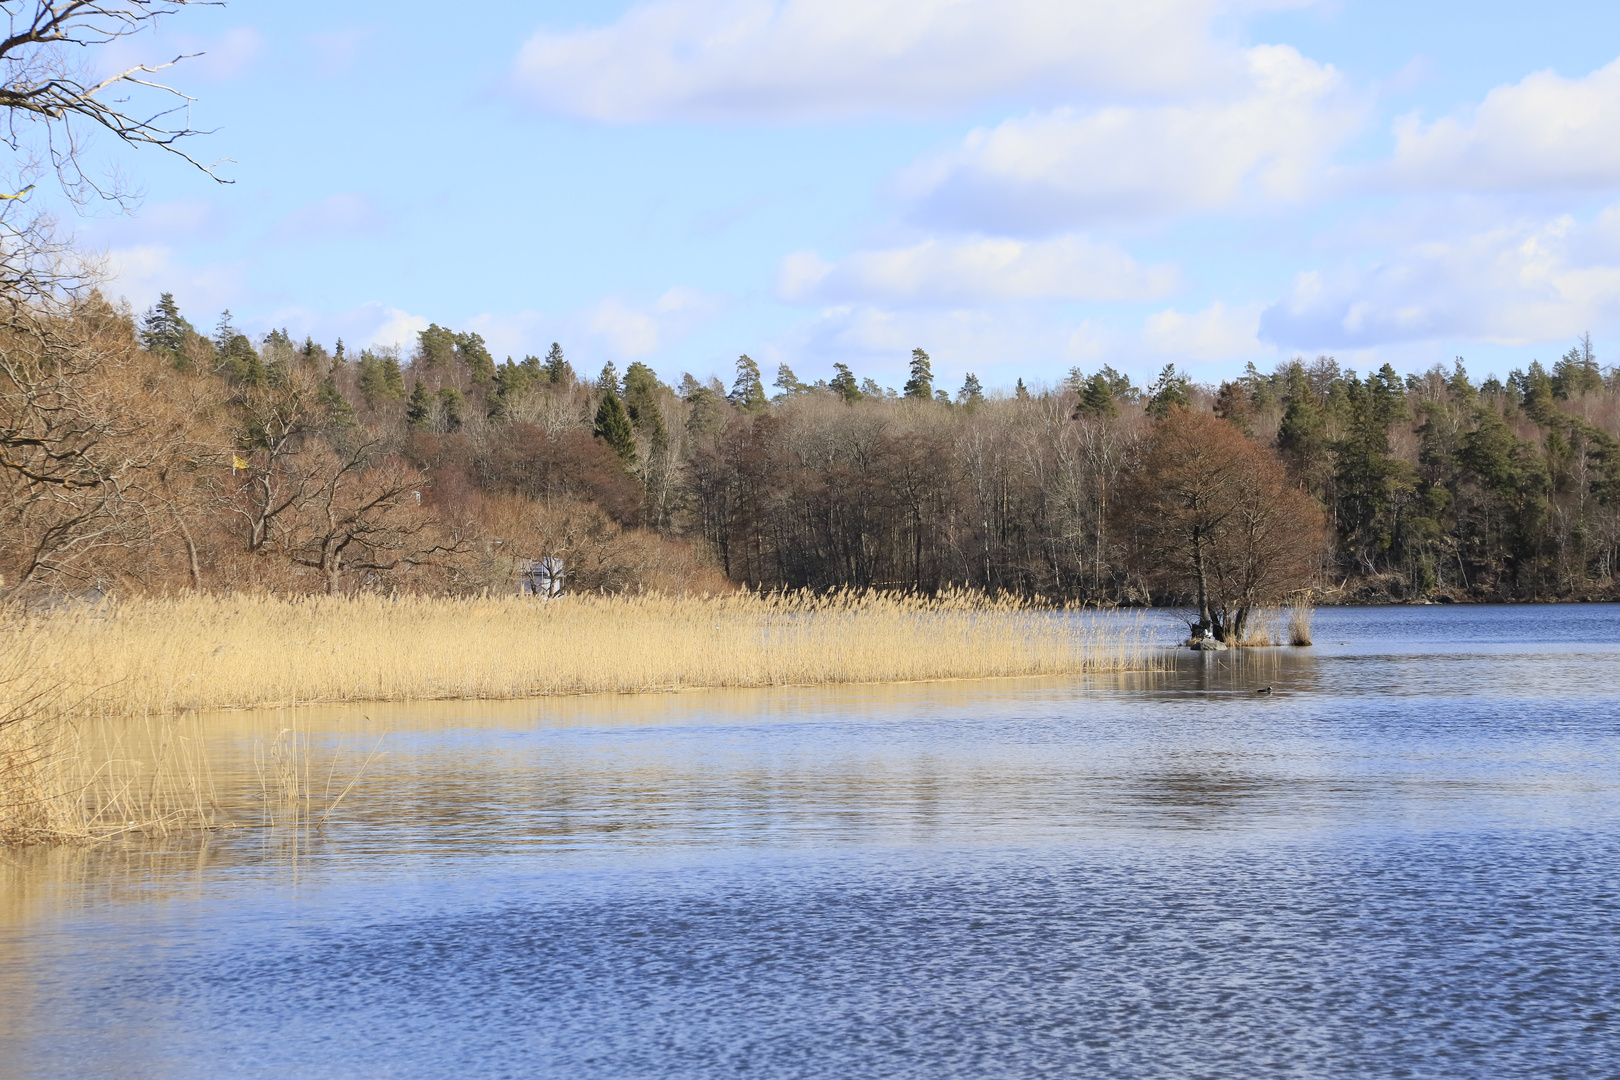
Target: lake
[1404, 861]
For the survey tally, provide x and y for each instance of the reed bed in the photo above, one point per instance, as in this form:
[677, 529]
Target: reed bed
[99, 725]
[150, 657]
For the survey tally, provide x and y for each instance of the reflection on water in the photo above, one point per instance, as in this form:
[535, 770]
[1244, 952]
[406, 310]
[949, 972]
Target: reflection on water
[1398, 862]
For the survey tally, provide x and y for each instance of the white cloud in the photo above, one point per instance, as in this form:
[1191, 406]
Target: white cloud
[1215, 333]
[631, 331]
[799, 59]
[1542, 132]
[143, 272]
[975, 270]
[1068, 166]
[1511, 284]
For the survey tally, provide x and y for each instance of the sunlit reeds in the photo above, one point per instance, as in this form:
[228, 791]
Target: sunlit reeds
[1300, 613]
[100, 702]
[147, 657]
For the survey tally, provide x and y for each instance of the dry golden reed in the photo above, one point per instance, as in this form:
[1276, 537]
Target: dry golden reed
[98, 703]
[149, 657]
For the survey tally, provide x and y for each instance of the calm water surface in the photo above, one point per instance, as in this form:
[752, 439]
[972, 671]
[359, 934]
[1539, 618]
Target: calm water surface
[1400, 863]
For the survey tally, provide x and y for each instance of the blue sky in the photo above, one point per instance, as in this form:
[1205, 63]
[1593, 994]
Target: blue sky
[1017, 186]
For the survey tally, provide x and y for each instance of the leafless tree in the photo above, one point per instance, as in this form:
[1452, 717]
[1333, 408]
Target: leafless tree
[52, 99]
[1212, 514]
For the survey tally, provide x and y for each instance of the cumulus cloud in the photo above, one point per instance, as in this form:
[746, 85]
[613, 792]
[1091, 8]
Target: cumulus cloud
[1215, 333]
[1545, 131]
[972, 270]
[800, 59]
[1068, 166]
[1510, 284]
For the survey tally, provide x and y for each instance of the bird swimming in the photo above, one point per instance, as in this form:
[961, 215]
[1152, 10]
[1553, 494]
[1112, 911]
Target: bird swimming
[1264, 690]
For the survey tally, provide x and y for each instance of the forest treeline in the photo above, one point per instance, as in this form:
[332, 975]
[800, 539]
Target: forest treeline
[145, 453]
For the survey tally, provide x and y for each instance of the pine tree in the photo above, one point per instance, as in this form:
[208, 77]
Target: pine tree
[1021, 391]
[613, 427]
[920, 386]
[419, 409]
[609, 379]
[789, 383]
[338, 410]
[164, 330]
[558, 371]
[1169, 391]
[435, 346]
[1577, 371]
[972, 393]
[748, 392]
[472, 352]
[844, 384]
[1097, 398]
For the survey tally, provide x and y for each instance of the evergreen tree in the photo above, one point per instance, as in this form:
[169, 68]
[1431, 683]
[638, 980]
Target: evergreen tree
[641, 391]
[1168, 392]
[609, 379]
[558, 371]
[748, 392]
[234, 356]
[419, 409]
[1577, 372]
[1119, 385]
[1535, 390]
[449, 402]
[920, 386]
[972, 393]
[1097, 398]
[1461, 390]
[471, 351]
[613, 427]
[1021, 391]
[844, 384]
[789, 383]
[435, 346]
[164, 330]
[339, 412]
[705, 413]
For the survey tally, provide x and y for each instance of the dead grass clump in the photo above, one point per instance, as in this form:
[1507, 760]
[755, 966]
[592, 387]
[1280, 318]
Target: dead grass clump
[1300, 613]
[138, 658]
[1263, 629]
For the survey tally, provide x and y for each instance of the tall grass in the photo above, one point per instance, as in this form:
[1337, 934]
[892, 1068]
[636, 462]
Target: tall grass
[1300, 613]
[151, 657]
[66, 773]
[98, 703]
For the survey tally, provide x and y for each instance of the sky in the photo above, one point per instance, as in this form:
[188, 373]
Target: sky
[1016, 186]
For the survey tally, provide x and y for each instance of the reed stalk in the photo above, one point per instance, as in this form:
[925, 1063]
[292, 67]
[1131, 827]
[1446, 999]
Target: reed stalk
[1300, 613]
